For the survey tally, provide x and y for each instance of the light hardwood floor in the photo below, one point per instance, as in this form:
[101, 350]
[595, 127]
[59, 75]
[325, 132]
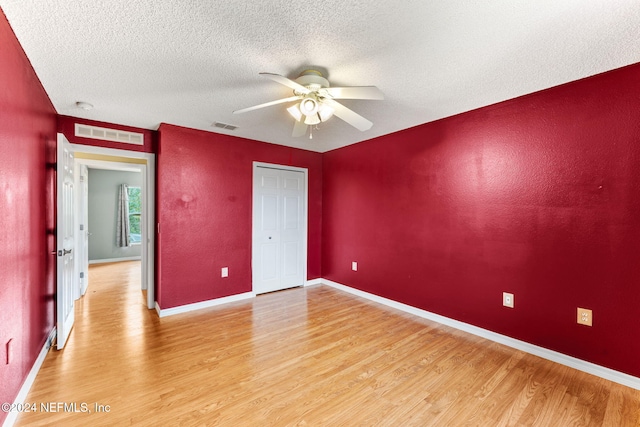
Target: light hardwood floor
[302, 357]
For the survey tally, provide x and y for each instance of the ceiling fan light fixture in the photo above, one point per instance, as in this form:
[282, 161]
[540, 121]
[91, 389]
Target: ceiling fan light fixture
[312, 120]
[295, 112]
[325, 112]
[309, 107]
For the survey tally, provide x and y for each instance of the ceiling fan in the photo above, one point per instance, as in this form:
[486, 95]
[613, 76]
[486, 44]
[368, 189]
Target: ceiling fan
[317, 101]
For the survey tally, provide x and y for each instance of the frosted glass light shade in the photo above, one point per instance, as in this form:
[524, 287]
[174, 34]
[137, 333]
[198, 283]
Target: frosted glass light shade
[312, 120]
[325, 112]
[295, 112]
[308, 106]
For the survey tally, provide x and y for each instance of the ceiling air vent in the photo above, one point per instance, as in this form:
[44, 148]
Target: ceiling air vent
[106, 134]
[225, 126]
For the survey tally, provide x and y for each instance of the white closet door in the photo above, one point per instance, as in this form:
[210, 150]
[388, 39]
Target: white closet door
[278, 229]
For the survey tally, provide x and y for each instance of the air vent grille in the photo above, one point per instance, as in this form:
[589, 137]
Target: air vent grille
[106, 134]
[224, 126]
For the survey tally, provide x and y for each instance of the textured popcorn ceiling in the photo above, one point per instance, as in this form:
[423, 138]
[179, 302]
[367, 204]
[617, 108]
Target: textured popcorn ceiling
[192, 62]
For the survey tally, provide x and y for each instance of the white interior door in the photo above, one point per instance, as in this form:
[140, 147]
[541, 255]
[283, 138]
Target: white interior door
[65, 240]
[279, 229]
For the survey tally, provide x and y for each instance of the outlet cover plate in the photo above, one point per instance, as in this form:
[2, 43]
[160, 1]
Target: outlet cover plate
[225, 272]
[354, 266]
[585, 316]
[507, 299]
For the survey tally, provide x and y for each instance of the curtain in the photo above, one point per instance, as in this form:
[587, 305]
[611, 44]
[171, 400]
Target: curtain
[122, 229]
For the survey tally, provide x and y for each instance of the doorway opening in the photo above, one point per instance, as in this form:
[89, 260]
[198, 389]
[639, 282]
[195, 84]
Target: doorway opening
[112, 208]
[102, 174]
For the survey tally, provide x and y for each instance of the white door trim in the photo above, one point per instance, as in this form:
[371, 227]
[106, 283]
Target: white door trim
[148, 203]
[80, 220]
[305, 243]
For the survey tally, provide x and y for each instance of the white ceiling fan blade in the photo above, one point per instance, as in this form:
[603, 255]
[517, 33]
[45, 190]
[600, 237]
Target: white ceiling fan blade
[287, 82]
[299, 129]
[349, 116]
[269, 104]
[354, 92]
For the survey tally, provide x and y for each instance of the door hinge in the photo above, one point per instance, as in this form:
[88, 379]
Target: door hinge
[82, 274]
[81, 227]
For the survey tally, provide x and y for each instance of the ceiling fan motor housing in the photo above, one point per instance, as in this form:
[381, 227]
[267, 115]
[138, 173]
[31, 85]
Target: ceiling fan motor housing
[312, 80]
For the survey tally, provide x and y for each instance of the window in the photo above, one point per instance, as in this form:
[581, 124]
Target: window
[135, 210]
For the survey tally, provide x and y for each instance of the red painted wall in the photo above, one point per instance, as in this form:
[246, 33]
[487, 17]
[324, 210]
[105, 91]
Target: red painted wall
[27, 149]
[66, 125]
[538, 196]
[204, 208]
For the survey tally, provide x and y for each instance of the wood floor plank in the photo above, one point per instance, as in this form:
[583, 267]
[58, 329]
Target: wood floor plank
[302, 357]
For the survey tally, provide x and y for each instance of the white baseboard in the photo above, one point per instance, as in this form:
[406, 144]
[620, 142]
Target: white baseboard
[203, 304]
[28, 382]
[108, 260]
[313, 282]
[554, 356]
[218, 301]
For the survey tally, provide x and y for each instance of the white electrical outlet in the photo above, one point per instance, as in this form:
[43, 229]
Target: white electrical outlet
[354, 266]
[507, 299]
[225, 271]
